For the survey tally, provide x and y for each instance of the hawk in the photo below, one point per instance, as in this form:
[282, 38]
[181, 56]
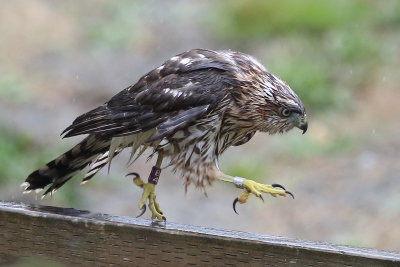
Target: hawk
[188, 111]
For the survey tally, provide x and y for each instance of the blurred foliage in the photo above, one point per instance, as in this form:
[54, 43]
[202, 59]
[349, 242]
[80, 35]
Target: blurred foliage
[14, 88]
[119, 31]
[264, 19]
[293, 147]
[16, 148]
[329, 46]
[246, 168]
[257, 18]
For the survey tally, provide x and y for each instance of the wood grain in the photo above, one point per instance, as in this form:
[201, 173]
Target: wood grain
[75, 237]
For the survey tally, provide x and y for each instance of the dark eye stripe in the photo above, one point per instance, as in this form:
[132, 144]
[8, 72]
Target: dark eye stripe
[295, 110]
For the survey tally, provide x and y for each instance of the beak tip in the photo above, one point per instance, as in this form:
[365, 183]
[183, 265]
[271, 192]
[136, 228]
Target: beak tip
[304, 127]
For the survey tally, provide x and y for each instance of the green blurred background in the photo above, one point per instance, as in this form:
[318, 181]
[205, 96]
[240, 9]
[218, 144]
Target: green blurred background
[59, 59]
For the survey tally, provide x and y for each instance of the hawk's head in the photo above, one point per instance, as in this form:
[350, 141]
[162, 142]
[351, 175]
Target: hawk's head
[267, 100]
[283, 108]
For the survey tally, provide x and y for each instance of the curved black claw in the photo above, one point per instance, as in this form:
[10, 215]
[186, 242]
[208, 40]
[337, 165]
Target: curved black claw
[133, 173]
[234, 205]
[278, 186]
[143, 209]
[165, 219]
[261, 198]
[289, 193]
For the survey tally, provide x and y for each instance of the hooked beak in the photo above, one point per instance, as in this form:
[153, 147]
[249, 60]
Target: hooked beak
[303, 125]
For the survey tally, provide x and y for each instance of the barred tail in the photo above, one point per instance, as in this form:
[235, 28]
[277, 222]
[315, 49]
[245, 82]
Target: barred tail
[58, 171]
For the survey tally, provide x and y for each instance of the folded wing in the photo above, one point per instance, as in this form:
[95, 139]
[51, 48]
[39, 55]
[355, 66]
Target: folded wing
[183, 89]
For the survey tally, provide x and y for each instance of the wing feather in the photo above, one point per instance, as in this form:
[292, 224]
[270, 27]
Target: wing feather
[182, 90]
[177, 122]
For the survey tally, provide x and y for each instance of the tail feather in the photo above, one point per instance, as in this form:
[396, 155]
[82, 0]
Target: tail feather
[58, 171]
[97, 164]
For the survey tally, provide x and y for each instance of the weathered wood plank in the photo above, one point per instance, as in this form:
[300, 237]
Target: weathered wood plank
[80, 237]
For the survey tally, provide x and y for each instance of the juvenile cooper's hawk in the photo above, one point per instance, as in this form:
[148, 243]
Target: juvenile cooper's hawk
[188, 111]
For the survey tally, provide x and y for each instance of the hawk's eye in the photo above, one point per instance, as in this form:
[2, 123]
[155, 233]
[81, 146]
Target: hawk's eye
[286, 112]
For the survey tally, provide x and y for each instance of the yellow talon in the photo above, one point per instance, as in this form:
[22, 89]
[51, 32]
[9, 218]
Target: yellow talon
[138, 181]
[243, 197]
[154, 207]
[256, 189]
[148, 194]
[252, 187]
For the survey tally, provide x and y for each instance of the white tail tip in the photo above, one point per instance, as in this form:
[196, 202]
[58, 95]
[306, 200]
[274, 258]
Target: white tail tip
[25, 185]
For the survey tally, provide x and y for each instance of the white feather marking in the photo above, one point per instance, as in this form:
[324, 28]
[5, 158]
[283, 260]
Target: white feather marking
[176, 93]
[268, 84]
[189, 84]
[185, 61]
[174, 58]
[160, 68]
[25, 185]
[98, 163]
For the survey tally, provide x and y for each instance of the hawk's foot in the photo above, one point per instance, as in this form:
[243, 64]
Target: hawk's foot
[148, 194]
[252, 187]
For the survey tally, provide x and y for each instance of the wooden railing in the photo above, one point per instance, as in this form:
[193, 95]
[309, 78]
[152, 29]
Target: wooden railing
[75, 237]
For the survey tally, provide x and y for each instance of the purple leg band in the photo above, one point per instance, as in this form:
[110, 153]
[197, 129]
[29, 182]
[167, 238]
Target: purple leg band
[154, 175]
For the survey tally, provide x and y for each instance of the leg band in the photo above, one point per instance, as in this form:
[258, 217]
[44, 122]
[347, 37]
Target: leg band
[238, 182]
[154, 175]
